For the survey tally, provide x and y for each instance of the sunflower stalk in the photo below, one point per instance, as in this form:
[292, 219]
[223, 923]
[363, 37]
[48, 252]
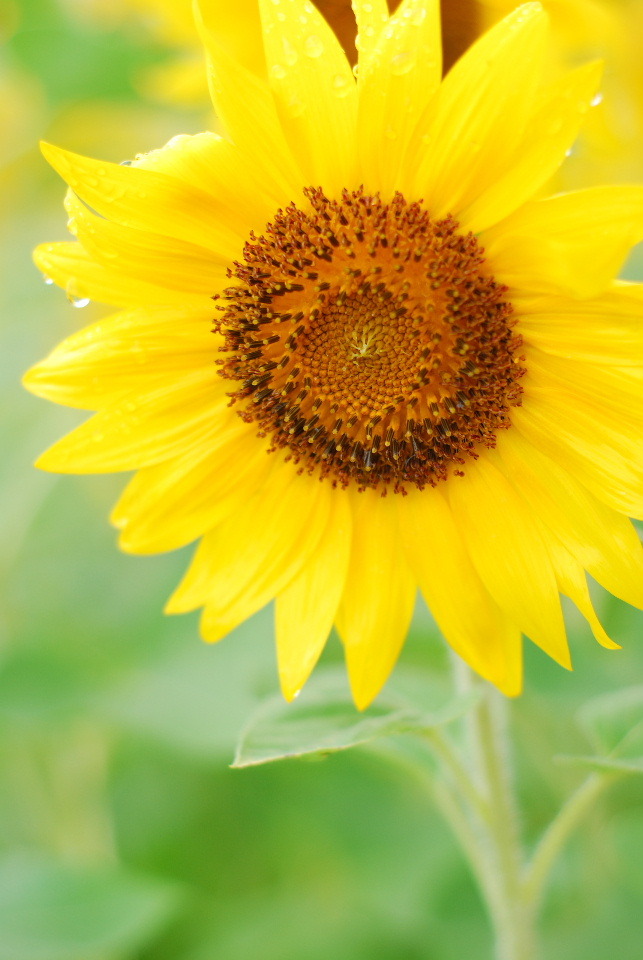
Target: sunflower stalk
[476, 795]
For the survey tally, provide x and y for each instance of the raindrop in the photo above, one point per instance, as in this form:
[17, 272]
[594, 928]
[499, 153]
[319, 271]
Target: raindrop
[126, 163]
[341, 85]
[290, 54]
[47, 280]
[597, 99]
[313, 46]
[278, 71]
[402, 63]
[356, 71]
[367, 7]
[569, 153]
[418, 16]
[78, 302]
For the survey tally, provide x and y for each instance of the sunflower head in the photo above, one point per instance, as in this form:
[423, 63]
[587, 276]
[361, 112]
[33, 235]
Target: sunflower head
[358, 353]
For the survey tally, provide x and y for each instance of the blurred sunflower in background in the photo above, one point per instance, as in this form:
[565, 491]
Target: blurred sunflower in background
[355, 356]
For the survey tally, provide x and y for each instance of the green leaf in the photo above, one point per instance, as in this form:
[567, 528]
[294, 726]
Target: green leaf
[51, 911]
[324, 719]
[614, 723]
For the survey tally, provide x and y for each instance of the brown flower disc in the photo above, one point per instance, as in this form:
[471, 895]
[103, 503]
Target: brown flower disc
[370, 340]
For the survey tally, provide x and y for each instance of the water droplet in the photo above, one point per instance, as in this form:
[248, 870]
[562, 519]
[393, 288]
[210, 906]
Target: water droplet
[296, 107]
[418, 16]
[597, 99]
[47, 280]
[290, 54]
[356, 71]
[402, 63]
[341, 85]
[126, 163]
[568, 153]
[281, 16]
[313, 46]
[78, 302]
[367, 7]
[277, 71]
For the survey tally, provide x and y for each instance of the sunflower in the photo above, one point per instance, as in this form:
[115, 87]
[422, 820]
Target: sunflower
[355, 356]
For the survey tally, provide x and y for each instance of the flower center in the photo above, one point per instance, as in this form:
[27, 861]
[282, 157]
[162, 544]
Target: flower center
[370, 340]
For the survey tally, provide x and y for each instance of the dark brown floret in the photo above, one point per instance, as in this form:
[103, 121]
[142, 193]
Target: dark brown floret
[370, 340]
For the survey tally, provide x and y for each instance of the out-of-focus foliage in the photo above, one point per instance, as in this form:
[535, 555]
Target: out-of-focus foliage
[124, 835]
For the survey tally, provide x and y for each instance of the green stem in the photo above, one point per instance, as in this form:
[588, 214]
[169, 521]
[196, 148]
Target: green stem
[513, 914]
[553, 840]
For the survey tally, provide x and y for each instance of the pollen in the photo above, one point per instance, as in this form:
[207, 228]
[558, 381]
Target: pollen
[370, 340]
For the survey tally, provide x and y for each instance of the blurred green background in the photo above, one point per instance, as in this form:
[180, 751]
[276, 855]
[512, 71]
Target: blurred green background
[124, 834]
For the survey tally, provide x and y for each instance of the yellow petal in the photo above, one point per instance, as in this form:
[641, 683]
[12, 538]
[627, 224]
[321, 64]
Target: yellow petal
[484, 106]
[305, 610]
[246, 561]
[601, 540]
[247, 112]
[508, 551]
[549, 135]
[573, 583]
[142, 429]
[575, 242]
[150, 257]
[610, 465]
[170, 504]
[606, 329]
[469, 618]
[379, 596]
[148, 200]
[81, 276]
[397, 78]
[315, 92]
[137, 350]
[221, 168]
[371, 17]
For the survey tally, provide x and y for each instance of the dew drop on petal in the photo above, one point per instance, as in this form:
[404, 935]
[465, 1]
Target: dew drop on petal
[47, 280]
[402, 63]
[313, 46]
[277, 71]
[290, 54]
[597, 99]
[341, 85]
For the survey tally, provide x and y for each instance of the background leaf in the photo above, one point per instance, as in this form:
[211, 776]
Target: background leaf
[50, 911]
[324, 718]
